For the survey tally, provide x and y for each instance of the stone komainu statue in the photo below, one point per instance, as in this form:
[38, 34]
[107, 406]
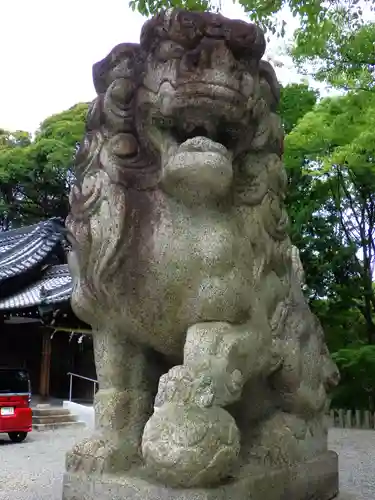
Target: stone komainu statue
[210, 364]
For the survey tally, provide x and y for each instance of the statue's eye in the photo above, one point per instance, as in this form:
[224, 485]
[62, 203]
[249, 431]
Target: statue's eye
[169, 50]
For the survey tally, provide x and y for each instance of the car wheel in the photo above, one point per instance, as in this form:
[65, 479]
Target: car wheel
[17, 437]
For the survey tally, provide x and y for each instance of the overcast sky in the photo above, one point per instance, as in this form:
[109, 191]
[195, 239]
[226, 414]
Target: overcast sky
[49, 47]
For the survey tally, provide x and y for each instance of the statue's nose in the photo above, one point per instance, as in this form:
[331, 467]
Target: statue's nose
[211, 53]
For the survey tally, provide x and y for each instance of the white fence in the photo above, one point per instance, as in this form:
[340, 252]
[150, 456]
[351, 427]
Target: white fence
[351, 419]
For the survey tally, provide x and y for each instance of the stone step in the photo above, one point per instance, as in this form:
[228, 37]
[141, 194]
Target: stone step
[46, 417]
[50, 411]
[53, 419]
[58, 425]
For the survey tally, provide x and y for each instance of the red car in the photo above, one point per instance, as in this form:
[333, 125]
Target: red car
[15, 411]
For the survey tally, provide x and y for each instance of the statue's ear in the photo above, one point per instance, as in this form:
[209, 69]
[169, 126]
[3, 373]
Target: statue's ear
[119, 63]
[270, 86]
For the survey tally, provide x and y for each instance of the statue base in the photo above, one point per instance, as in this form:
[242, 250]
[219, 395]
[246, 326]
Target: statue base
[313, 480]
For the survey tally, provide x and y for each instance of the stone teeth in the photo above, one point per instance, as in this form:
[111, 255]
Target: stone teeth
[203, 144]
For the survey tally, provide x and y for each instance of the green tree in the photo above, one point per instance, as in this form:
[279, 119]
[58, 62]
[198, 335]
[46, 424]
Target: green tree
[35, 173]
[357, 388]
[313, 233]
[335, 143]
[340, 51]
[296, 100]
[330, 159]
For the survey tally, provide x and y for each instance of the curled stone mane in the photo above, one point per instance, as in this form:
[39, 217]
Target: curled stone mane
[111, 122]
[188, 29]
[209, 359]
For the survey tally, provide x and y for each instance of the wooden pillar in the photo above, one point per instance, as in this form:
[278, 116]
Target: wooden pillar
[45, 365]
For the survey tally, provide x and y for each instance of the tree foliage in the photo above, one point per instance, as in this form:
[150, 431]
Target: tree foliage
[340, 51]
[296, 100]
[334, 146]
[357, 366]
[35, 172]
[331, 151]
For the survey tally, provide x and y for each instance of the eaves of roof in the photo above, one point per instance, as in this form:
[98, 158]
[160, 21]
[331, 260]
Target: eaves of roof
[23, 250]
[53, 288]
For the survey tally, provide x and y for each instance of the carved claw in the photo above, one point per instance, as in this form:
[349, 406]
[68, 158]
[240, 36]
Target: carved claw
[97, 455]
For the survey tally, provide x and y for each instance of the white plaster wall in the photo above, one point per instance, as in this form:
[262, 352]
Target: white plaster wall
[83, 413]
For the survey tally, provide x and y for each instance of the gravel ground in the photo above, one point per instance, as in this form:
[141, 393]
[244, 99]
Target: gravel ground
[33, 470]
[356, 451]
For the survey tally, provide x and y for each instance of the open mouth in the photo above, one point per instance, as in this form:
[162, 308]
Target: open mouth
[219, 132]
[196, 109]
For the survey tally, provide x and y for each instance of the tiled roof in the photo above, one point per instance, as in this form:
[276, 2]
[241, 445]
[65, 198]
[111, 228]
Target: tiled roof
[23, 249]
[54, 287]
[28, 276]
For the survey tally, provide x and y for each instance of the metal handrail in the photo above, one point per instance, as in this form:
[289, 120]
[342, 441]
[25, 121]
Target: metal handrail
[71, 375]
[81, 376]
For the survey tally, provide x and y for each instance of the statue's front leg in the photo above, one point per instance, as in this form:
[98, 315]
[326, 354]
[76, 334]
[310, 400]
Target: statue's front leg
[122, 407]
[191, 440]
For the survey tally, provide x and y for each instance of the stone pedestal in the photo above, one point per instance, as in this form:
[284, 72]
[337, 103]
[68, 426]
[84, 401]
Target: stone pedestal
[313, 480]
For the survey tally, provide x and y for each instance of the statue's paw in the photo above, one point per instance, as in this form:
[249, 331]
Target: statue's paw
[96, 455]
[175, 386]
[199, 386]
[281, 441]
[186, 446]
[84, 455]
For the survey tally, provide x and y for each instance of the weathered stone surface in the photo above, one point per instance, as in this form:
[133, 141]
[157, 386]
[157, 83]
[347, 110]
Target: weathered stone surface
[182, 264]
[314, 480]
[346, 496]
